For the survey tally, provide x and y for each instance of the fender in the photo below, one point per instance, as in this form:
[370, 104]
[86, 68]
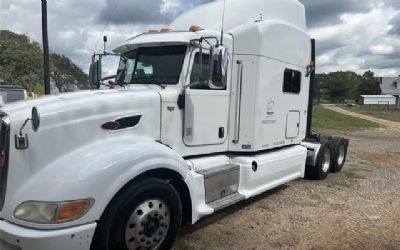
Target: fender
[95, 171]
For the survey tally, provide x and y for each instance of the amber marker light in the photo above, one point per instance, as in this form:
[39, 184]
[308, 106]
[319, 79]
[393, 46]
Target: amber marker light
[194, 28]
[72, 210]
[152, 31]
[165, 30]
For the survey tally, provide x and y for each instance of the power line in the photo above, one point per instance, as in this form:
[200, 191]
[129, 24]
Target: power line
[105, 25]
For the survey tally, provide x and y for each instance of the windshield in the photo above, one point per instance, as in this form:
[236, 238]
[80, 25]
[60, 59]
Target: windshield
[152, 65]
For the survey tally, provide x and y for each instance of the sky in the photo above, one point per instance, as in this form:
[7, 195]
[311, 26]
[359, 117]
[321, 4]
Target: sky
[356, 35]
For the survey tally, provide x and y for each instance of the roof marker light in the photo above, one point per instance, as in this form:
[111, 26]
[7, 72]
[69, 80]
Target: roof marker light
[165, 30]
[194, 28]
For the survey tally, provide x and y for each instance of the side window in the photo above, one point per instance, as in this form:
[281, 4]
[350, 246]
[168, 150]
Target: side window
[292, 81]
[197, 78]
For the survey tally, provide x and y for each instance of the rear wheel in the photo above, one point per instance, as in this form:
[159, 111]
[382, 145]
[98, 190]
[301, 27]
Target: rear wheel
[323, 165]
[146, 215]
[339, 154]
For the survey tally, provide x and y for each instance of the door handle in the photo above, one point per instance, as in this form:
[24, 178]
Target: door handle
[221, 132]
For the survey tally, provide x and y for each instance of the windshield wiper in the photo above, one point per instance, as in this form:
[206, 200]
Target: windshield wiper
[153, 81]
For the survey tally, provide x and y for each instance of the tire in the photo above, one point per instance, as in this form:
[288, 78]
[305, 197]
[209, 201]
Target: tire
[145, 215]
[323, 165]
[324, 138]
[339, 154]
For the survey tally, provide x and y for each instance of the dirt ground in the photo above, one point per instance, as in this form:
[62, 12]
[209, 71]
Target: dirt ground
[358, 208]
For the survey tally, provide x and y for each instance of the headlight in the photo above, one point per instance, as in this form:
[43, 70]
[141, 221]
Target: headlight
[52, 212]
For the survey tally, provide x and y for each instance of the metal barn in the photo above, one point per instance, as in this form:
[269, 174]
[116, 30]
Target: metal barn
[12, 93]
[378, 100]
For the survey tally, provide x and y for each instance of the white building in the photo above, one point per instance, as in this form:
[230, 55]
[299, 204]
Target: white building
[391, 86]
[378, 100]
[12, 93]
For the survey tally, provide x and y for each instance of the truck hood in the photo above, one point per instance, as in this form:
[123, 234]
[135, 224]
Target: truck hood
[69, 122]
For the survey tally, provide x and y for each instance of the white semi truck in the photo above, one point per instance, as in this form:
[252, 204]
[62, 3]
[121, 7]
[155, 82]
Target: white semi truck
[196, 121]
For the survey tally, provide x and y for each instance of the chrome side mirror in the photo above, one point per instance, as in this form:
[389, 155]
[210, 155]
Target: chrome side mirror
[95, 74]
[22, 139]
[219, 62]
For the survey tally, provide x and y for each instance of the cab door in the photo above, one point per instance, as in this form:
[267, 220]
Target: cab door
[206, 109]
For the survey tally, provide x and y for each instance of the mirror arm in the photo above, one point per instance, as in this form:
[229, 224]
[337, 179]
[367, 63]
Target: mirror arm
[108, 77]
[23, 125]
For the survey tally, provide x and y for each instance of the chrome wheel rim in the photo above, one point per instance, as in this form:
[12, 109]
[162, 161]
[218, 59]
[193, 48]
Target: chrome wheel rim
[148, 225]
[340, 159]
[326, 163]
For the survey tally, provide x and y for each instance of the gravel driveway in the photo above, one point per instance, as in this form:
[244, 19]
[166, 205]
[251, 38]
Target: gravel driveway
[358, 208]
[391, 124]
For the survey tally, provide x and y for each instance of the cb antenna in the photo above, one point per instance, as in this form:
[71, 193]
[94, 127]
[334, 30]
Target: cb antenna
[223, 21]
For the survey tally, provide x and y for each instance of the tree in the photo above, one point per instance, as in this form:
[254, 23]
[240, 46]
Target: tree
[367, 85]
[369, 75]
[66, 75]
[21, 63]
[338, 86]
[20, 60]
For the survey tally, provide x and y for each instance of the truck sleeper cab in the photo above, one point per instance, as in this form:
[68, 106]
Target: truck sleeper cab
[195, 123]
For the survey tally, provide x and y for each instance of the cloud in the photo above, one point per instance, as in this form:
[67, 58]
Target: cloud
[358, 42]
[395, 23]
[323, 46]
[328, 12]
[381, 49]
[381, 63]
[351, 34]
[144, 12]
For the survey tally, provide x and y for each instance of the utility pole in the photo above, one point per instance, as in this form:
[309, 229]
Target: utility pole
[46, 64]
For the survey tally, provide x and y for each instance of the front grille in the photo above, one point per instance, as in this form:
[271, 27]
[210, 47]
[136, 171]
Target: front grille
[4, 155]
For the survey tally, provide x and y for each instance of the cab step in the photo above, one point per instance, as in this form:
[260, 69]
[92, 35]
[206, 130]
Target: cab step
[220, 181]
[226, 201]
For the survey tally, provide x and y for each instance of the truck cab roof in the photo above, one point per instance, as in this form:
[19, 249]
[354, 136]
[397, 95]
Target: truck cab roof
[170, 37]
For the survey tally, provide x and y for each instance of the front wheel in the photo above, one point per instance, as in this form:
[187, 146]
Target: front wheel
[146, 215]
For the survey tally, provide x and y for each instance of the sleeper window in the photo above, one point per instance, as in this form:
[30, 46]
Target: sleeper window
[292, 81]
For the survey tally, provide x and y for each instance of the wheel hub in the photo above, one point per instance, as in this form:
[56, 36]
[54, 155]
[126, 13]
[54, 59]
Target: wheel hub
[326, 161]
[148, 225]
[151, 226]
[342, 153]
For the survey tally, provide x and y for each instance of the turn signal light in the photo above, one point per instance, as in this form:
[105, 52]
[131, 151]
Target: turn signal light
[71, 211]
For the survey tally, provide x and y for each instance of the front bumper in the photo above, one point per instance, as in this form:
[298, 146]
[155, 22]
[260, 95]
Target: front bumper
[13, 237]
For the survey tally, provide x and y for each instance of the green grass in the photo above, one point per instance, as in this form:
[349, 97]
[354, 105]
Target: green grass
[327, 119]
[347, 177]
[391, 113]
